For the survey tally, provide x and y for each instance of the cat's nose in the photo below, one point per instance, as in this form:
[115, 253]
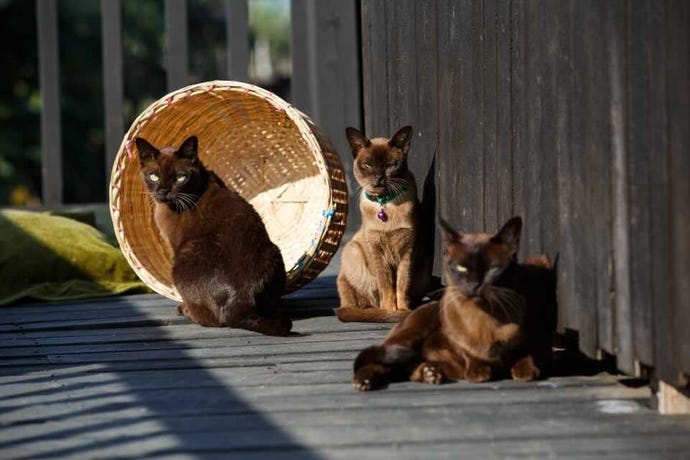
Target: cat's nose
[379, 179]
[163, 192]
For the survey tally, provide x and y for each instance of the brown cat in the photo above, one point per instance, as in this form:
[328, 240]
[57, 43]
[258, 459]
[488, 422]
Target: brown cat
[496, 315]
[225, 267]
[382, 270]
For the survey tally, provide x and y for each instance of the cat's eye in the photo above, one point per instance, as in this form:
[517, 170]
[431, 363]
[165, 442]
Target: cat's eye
[461, 268]
[180, 177]
[153, 177]
[365, 165]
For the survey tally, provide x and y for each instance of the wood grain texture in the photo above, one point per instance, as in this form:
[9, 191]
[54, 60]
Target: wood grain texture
[186, 391]
[572, 114]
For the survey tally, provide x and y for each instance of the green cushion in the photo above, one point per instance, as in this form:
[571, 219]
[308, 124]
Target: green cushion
[50, 257]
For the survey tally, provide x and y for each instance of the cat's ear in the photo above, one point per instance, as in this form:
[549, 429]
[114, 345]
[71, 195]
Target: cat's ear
[188, 149]
[357, 140]
[510, 233]
[450, 235]
[402, 139]
[147, 152]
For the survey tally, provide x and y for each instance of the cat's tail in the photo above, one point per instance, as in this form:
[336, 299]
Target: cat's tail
[378, 365]
[541, 260]
[370, 315]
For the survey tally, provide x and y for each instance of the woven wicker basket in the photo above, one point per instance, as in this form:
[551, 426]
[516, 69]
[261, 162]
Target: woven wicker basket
[268, 151]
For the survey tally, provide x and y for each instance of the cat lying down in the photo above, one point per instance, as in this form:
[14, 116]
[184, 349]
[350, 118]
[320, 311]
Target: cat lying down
[496, 316]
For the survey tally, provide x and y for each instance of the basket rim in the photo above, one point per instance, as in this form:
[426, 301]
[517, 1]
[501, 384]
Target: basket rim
[125, 153]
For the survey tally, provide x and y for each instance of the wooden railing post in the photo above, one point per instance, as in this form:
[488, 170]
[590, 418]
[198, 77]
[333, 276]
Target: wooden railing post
[49, 82]
[112, 80]
[177, 43]
[237, 39]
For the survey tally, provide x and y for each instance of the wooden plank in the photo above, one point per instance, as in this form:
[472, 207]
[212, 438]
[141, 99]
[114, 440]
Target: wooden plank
[590, 161]
[567, 228]
[678, 93]
[401, 66]
[257, 434]
[176, 36]
[641, 146]
[349, 339]
[460, 183]
[237, 39]
[492, 159]
[535, 44]
[519, 113]
[49, 83]
[619, 177]
[111, 21]
[425, 144]
[659, 209]
[504, 112]
[374, 68]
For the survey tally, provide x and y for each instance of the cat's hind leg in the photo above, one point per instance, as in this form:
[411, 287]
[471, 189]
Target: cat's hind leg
[243, 315]
[200, 314]
[441, 362]
[379, 365]
[357, 307]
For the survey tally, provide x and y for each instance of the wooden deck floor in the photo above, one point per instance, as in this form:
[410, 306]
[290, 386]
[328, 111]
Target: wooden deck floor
[125, 377]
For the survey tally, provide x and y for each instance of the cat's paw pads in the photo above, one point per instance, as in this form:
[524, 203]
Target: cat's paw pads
[363, 385]
[432, 374]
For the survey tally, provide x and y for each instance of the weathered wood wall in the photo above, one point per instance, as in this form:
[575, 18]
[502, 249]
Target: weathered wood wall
[573, 114]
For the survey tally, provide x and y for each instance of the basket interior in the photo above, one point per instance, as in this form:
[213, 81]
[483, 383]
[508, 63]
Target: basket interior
[254, 147]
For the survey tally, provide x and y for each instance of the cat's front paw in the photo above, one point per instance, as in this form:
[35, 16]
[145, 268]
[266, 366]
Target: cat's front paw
[525, 370]
[432, 374]
[181, 310]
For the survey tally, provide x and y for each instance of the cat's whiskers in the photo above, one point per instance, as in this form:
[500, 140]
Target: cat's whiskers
[507, 300]
[187, 201]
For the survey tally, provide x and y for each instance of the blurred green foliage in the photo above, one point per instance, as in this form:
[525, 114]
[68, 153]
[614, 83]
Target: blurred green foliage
[81, 81]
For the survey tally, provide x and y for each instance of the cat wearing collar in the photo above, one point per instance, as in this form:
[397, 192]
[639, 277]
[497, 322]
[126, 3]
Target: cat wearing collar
[383, 269]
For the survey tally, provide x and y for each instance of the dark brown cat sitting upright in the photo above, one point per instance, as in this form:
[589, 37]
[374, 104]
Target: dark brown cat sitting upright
[496, 315]
[382, 270]
[225, 267]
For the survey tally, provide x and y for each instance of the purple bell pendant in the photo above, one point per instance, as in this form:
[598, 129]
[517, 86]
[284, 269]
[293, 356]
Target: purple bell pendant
[383, 217]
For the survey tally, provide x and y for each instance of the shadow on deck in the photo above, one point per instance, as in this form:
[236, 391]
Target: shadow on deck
[126, 377]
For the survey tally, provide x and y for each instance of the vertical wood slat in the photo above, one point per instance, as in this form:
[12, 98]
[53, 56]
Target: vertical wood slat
[504, 110]
[374, 73]
[49, 82]
[177, 60]
[326, 74]
[425, 118]
[461, 131]
[567, 228]
[591, 158]
[519, 113]
[237, 39]
[659, 270]
[112, 79]
[675, 358]
[640, 144]
[617, 34]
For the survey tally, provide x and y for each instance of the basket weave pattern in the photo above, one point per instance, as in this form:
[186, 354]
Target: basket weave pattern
[261, 146]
